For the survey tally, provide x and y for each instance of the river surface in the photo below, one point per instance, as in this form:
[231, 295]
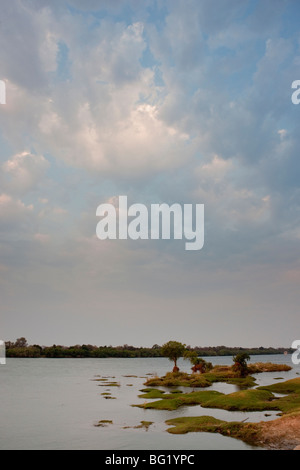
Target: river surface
[49, 404]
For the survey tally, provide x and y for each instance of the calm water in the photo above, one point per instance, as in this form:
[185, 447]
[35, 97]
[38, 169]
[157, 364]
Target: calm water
[55, 404]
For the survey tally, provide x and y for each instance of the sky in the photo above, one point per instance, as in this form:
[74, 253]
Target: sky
[163, 101]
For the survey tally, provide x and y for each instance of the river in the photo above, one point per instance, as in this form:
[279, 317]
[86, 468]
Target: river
[54, 404]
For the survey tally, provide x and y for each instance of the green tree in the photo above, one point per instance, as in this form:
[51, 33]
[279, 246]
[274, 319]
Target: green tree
[173, 350]
[240, 363]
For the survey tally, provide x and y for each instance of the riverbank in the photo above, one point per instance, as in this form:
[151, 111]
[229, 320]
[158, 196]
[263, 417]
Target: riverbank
[280, 434]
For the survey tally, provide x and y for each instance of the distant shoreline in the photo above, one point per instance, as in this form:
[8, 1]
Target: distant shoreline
[21, 349]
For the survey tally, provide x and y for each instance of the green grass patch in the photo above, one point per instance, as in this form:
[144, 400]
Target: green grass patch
[243, 400]
[217, 374]
[230, 377]
[247, 432]
[246, 400]
[280, 433]
[152, 393]
[173, 402]
[179, 379]
[290, 402]
[103, 423]
[290, 386]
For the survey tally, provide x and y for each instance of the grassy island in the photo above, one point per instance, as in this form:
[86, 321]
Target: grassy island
[284, 397]
[246, 399]
[216, 374]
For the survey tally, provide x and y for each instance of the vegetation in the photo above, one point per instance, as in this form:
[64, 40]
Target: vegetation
[248, 432]
[172, 402]
[80, 351]
[233, 351]
[199, 364]
[245, 400]
[178, 379]
[103, 423]
[21, 348]
[173, 350]
[227, 374]
[156, 393]
[260, 367]
[240, 364]
[282, 433]
[144, 425]
[260, 399]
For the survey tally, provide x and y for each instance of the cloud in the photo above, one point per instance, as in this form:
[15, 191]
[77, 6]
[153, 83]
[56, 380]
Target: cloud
[24, 172]
[165, 102]
[112, 123]
[27, 56]
[16, 217]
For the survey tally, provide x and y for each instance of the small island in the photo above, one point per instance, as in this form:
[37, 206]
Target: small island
[281, 434]
[284, 397]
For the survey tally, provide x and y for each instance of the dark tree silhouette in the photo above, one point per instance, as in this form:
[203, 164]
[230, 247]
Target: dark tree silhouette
[240, 364]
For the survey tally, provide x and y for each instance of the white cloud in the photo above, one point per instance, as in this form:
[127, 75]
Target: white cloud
[24, 171]
[107, 118]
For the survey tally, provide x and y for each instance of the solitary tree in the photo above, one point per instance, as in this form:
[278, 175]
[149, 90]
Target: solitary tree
[173, 350]
[240, 363]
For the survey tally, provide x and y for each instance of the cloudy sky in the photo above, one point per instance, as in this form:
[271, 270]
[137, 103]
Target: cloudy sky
[169, 101]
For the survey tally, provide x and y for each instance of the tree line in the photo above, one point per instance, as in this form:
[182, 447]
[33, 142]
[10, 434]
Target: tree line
[21, 348]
